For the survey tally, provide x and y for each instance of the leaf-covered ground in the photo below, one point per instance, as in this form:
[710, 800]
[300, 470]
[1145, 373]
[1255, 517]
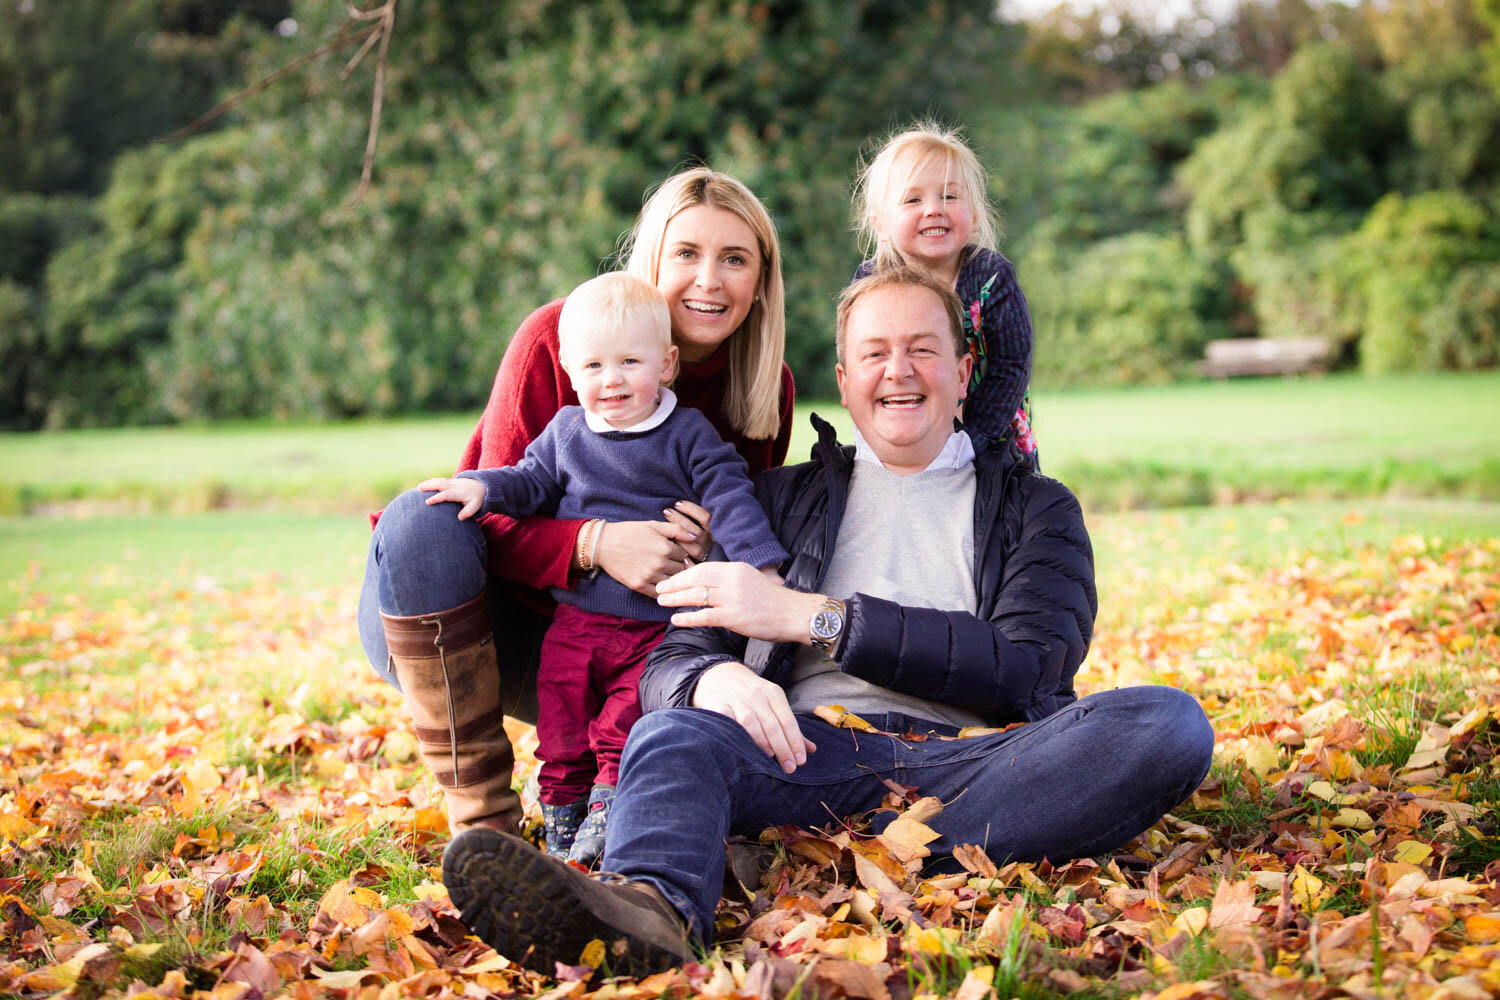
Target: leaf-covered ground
[204, 793]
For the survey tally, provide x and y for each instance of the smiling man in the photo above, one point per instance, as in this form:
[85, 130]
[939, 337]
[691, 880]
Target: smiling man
[929, 589]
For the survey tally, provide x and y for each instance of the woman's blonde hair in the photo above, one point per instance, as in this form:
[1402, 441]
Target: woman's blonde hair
[891, 169]
[756, 348]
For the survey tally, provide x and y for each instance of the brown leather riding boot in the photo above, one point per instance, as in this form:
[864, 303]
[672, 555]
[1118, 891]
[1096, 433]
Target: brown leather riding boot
[446, 665]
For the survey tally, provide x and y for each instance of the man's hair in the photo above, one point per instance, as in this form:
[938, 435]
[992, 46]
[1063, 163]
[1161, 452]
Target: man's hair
[753, 401]
[900, 276]
[611, 301]
[899, 159]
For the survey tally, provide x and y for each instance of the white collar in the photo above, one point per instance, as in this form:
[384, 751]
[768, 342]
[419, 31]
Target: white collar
[957, 452]
[665, 404]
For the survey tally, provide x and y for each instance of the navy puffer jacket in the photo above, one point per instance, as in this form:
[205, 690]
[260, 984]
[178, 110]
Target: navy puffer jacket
[1014, 661]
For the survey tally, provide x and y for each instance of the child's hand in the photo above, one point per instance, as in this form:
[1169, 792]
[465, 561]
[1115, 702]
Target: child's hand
[469, 492]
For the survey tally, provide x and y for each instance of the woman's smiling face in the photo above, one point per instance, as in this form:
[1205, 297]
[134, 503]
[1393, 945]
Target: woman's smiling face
[710, 274]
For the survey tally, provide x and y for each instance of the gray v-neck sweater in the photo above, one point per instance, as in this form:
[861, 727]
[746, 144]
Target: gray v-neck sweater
[908, 539]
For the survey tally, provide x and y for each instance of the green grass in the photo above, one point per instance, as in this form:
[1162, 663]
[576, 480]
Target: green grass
[1163, 543]
[1184, 444]
[111, 556]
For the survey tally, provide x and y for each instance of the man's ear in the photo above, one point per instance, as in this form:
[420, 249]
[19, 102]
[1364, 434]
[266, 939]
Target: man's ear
[838, 373]
[965, 366]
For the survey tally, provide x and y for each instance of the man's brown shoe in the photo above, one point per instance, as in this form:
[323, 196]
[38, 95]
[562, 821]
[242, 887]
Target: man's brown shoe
[537, 910]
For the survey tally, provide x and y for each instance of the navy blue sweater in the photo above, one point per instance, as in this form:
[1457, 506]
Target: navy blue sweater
[575, 473]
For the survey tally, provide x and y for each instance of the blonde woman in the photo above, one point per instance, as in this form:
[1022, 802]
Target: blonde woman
[452, 611]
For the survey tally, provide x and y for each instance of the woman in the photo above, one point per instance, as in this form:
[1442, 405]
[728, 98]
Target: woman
[434, 619]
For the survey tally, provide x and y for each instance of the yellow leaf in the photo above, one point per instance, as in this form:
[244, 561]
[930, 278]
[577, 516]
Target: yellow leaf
[432, 891]
[1354, 819]
[1327, 793]
[1191, 921]
[400, 746]
[402, 923]
[977, 985]
[1271, 881]
[202, 774]
[1203, 989]
[140, 951]
[856, 947]
[1482, 926]
[1431, 749]
[342, 980]
[1260, 755]
[592, 954]
[928, 940]
[1413, 852]
[1307, 889]
[907, 838]
[838, 715]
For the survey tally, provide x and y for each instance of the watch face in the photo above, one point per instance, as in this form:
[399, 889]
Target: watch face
[826, 623]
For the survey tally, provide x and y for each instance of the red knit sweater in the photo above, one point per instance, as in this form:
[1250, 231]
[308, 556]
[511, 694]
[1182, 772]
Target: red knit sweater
[529, 389]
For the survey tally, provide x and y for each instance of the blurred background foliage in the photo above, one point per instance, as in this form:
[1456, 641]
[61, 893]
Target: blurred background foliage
[1284, 169]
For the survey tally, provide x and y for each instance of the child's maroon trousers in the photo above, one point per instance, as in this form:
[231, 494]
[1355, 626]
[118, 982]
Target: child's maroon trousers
[587, 698]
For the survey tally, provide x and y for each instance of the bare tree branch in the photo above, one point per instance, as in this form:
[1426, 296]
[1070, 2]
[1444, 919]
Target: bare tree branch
[348, 34]
[377, 103]
[356, 30]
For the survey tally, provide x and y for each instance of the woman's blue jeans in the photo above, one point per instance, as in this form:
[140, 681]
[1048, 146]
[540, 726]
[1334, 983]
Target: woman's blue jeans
[424, 560]
[1078, 783]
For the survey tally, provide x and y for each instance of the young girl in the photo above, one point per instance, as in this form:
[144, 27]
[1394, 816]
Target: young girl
[921, 202]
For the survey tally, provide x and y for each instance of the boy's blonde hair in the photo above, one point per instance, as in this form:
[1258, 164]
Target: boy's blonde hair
[891, 170]
[611, 301]
[753, 401]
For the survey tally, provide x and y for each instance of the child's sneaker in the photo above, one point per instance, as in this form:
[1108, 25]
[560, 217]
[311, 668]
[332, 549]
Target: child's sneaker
[561, 824]
[588, 846]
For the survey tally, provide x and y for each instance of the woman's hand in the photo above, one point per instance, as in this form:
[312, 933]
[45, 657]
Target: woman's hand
[693, 518]
[640, 554]
[758, 705]
[469, 492]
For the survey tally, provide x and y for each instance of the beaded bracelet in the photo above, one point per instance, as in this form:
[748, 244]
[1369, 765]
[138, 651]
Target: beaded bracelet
[584, 552]
[580, 547]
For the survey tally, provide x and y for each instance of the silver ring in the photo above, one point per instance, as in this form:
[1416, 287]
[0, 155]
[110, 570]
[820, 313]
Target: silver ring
[705, 595]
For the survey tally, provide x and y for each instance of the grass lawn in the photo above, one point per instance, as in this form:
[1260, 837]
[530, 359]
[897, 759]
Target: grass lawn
[1193, 443]
[112, 556]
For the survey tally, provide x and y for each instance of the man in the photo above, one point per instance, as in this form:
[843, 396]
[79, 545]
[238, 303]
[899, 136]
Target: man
[929, 589]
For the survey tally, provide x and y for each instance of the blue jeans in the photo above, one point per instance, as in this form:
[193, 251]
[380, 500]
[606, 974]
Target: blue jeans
[424, 560]
[1082, 781]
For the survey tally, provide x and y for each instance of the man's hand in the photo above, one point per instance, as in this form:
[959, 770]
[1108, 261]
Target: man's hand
[469, 492]
[758, 705]
[741, 598]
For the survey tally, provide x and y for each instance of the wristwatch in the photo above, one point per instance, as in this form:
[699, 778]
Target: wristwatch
[827, 625]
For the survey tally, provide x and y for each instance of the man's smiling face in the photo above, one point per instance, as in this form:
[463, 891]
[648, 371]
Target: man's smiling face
[901, 378]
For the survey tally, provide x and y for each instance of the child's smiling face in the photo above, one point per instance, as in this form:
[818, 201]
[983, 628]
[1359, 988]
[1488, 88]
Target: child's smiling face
[928, 217]
[618, 371]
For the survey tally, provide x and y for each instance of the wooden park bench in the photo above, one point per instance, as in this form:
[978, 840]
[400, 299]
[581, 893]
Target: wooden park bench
[1262, 356]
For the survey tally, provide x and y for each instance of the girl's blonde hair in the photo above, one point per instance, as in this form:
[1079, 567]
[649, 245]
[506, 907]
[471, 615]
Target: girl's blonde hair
[756, 348]
[891, 170]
